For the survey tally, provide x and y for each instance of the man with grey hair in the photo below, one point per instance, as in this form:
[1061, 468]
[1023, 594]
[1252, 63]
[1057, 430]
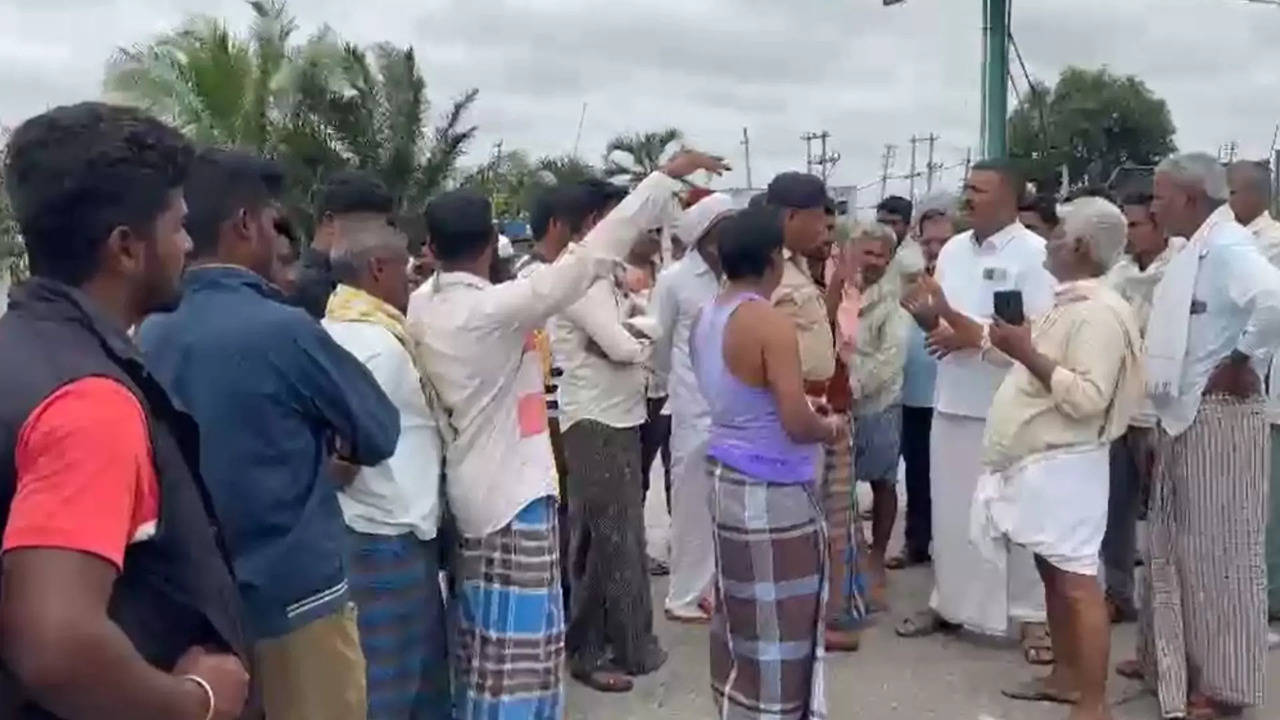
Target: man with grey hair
[1072, 388]
[391, 510]
[1215, 322]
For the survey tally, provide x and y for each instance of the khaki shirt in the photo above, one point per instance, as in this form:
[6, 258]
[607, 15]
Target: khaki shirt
[805, 303]
[1092, 335]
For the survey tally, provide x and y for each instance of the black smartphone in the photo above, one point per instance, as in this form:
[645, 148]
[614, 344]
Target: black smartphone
[1008, 306]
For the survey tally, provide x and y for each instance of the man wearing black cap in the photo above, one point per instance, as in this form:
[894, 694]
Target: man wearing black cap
[807, 216]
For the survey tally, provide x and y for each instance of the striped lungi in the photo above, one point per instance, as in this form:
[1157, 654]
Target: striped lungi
[846, 604]
[1203, 626]
[1273, 526]
[767, 654]
[509, 621]
[395, 583]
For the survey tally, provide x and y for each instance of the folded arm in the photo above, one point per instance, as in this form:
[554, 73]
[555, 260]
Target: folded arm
[596, 314]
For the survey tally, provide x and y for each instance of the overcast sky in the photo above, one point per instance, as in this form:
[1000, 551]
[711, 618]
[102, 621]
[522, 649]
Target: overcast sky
[870, 75]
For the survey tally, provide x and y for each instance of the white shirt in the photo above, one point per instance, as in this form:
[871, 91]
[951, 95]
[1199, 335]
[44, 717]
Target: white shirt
[476, 345]
[679, 296]
[970, 274]
[1266, 232]
[608, 389]
[402, 494]
[1236, 306]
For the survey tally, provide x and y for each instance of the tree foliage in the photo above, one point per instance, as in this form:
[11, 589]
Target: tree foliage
[316, 106]
[512, 180]
[1092, 122]
[13, 255]
[633, 156]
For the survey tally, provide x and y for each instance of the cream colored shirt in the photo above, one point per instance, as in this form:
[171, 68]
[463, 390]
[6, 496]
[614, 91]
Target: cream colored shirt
[1091, 333]
[1266, 231]
[477, 347]
[804, 302]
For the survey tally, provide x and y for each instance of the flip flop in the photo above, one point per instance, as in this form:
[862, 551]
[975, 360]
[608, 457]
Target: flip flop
[1037, 690]
[1037, 648]
[921, 624]
[1130, 670]
[606, 679]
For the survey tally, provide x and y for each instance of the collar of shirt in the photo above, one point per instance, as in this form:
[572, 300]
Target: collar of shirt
[997, 241]
[796, 261]
[220, 275]
[699, 264]
[446, 280]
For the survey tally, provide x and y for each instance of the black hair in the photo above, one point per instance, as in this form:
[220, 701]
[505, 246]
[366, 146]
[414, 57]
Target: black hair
[758, 200]
[748, 241]
[222, 183]
[896, 205]
[353, 191]
[572, 205]
[1044, 206]
[1008, 169]
[1137, 198]
[459, 225]
[77, 172]
[1095, 191]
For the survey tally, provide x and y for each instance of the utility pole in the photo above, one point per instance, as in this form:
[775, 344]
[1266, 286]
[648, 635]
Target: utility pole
[995, 78]
[911, 193]
[577, 138]
[746, 150]
[928, 186]
[968, 162]
[890, 151]
[825, 160]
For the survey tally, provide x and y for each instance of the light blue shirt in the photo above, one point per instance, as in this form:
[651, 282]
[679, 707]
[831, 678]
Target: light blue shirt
[921, 371]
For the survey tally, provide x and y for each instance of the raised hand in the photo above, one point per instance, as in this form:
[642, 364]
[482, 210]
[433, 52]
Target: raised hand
[687, 161]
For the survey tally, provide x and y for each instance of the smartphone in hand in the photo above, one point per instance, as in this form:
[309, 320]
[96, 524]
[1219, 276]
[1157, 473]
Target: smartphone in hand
[1008, 306]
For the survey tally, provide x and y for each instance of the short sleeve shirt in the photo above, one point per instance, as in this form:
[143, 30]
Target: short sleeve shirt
[86, 479]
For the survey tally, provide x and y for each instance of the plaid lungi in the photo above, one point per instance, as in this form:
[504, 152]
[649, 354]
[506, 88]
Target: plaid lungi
[767, 653]
[395, 583]
[509, 621]
[846, 605]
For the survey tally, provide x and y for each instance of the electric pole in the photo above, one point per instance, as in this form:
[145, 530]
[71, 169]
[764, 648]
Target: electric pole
[911, 193]
[968, 162]
[825, 160]
[931, 167]
[890, 151]
[746, 150]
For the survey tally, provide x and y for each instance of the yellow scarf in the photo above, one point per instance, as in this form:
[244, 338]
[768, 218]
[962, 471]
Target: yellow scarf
[349, 304]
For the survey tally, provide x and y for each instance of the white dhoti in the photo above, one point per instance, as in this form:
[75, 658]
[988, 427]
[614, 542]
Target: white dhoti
[1053, 504]
[970, 589]
[693, 557]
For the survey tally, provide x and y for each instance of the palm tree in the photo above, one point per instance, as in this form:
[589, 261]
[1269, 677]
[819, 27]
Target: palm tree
[368, 109]
[634, 156]
[318, 106]
[217, 88]
[13, 255]
[564, 169]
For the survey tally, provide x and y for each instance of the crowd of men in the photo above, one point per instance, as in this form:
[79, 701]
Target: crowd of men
[353, 482]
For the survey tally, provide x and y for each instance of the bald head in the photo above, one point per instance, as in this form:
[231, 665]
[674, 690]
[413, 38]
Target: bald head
[1250, 187]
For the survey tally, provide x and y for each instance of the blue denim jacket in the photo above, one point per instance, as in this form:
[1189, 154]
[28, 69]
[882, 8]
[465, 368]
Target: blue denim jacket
[270, 389]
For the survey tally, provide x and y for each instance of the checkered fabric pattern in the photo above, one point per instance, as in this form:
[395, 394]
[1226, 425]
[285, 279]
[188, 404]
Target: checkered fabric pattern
[767, 653]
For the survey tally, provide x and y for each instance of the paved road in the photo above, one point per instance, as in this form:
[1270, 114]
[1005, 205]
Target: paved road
[937, 677]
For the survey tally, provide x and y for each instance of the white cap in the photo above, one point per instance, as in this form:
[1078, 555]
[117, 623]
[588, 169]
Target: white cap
[695, 221]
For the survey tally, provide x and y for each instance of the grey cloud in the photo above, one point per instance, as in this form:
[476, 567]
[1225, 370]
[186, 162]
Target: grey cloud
[868, 74]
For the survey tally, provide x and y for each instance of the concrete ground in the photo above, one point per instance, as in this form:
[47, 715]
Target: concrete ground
[936, 677]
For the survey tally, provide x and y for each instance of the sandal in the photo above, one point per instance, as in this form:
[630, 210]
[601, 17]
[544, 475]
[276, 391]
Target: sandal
[1039, 690]
[921, 624]
[605, 679]
[1201, 707]
[1037, 648]
[902, 562]
[1130, 670]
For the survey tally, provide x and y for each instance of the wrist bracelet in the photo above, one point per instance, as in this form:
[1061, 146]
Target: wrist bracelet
[208, 691]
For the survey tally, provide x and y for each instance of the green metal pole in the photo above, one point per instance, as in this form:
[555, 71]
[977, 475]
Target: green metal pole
[995, 77]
